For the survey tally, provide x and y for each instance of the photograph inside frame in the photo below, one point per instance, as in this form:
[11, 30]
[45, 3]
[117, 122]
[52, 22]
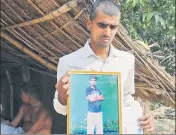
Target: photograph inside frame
[94, 104]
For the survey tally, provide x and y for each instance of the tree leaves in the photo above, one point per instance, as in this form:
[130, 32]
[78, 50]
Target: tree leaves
[160, 20]
[151, 21]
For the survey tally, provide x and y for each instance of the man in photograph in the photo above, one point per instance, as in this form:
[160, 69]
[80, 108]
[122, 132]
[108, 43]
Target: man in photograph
[94, 116]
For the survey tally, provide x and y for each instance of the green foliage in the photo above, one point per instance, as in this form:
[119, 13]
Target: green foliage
[151, 21]
[167, 58]
[79, 127]
[109, 126]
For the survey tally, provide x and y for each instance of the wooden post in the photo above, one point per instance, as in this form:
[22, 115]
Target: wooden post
[28, 51]
[11, 94]
[25, 74]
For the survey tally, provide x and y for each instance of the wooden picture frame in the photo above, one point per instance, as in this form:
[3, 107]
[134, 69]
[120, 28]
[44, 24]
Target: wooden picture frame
[88, 104]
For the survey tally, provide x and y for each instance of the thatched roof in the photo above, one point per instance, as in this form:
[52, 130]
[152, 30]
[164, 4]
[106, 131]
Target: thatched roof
[45, 30]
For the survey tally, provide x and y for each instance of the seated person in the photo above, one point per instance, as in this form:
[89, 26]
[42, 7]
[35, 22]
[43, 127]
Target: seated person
[35, 118]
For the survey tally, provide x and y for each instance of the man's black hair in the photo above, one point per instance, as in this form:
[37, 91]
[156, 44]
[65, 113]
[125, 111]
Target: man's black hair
[31, 89]
[92, 77]
[107, 6]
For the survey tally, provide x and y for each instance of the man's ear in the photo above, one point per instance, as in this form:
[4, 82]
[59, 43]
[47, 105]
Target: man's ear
[89, 24]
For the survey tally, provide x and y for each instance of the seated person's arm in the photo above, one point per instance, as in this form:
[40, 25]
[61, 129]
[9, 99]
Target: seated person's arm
[39, 123]
[18, 118]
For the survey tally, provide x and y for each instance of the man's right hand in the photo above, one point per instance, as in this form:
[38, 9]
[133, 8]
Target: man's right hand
[94, 99]
[62, 87]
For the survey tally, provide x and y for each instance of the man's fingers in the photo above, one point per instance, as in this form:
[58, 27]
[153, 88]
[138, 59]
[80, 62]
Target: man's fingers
[146, 122]
[146, 125]
[62, 87]
[68, 73]
[57, 85]
[144, 117]
[62, 81]
[68, 92]
[151, 129]
[65, 87]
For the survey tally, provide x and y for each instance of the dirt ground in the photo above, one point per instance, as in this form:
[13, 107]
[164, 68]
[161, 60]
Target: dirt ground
[164, 117]
[164, 120]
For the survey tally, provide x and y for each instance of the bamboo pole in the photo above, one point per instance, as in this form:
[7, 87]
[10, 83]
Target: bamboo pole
[75, 18]
[148, 65]
[60, 30]
[49, 45]
[29, 52]
[26, 75]
[139, 55]
[66, 24]
[11, 94]
[42, 47]
[133, 46]
[27, 42]
[49, 35]
[54, 24]
[63, 9]
[14, 65]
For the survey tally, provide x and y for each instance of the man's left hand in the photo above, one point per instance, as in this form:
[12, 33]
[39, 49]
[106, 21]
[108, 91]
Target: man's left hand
[100, 97]
[146, 122]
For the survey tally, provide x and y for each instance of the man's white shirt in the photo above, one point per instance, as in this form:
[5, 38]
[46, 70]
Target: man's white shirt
[85, 59]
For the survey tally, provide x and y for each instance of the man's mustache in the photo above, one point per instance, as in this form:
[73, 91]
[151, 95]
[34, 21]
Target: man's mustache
[105, 36]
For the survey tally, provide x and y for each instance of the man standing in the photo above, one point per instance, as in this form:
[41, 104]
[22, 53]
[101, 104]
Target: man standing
[94, 116]
[98, 54]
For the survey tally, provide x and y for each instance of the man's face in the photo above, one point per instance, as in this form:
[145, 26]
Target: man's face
[92, 82]
[103, 29]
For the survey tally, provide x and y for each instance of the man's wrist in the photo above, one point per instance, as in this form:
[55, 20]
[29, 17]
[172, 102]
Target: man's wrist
[61, 109]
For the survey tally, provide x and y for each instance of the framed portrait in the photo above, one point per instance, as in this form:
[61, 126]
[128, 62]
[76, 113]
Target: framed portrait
[95, 103]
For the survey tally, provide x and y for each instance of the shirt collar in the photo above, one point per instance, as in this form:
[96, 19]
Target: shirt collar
[92, 88]
[87, 51]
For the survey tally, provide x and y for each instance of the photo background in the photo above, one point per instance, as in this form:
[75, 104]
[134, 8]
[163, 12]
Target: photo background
[79, 104]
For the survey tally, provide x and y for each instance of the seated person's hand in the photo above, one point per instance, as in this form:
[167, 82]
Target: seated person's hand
[146, 122]
[10, 124]
[62, 87]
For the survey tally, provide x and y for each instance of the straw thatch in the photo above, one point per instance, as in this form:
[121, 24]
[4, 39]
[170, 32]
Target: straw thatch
[48, 29]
